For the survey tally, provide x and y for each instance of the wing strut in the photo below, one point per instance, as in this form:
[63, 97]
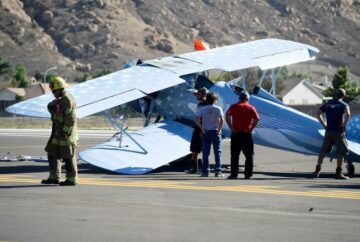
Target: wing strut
[120, 125]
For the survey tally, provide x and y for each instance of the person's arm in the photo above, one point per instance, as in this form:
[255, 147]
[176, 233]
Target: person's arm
[254, 120]
[320, 118]
[69, 117]
[221, 123]
[253, 124]
[228, 119]
[346, 119]
[198, 123]
[51, 106]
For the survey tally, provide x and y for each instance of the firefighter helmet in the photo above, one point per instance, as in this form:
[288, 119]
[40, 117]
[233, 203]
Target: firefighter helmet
[57, 83]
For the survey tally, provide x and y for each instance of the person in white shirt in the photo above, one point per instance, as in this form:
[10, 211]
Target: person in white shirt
[210, 119]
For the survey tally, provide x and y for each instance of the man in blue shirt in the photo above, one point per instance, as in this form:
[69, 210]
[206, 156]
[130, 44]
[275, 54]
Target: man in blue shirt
[337, 115]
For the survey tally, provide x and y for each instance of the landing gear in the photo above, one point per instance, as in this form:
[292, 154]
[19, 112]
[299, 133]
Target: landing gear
[351, 170]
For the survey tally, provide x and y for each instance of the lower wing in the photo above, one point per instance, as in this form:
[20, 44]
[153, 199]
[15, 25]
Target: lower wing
[143, 150]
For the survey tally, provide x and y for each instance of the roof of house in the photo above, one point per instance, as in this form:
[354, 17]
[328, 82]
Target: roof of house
[36, 90]
[291, 83]
[10, 93]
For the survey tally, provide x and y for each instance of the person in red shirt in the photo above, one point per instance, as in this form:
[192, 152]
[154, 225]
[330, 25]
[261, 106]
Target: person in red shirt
[242, 118]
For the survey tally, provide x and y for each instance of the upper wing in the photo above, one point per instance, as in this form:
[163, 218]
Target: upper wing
[149, 148]
[265, 54]
[105, 92]
[129, 84]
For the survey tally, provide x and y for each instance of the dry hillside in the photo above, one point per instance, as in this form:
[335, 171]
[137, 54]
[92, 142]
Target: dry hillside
[90, 35]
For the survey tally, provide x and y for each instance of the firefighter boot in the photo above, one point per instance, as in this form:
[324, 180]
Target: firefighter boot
[316, 173]
[340, 175]
[50, 181]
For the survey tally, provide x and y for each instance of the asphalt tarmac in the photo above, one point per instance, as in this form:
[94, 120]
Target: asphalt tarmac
[280, 202]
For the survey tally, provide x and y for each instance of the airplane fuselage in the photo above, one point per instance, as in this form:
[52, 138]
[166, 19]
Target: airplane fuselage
[280, 126]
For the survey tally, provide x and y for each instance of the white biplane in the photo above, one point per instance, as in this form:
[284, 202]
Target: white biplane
[165, 83]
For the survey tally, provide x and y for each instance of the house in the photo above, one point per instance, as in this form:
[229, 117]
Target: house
[11, 95]
[300, 92]
[36, 90]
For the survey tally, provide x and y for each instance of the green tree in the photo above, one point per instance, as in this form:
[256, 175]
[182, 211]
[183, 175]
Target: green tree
[19, 98]
[5, 67]
[40, 76]
[83, 78]
[342, 80]
[102, 73]
[20, 78]
[253, 75]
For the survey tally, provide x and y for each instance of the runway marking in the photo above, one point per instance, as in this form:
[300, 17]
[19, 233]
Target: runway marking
[274, 190]
[36, 146]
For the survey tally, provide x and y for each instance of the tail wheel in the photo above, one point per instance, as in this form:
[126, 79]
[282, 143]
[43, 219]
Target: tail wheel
[351, 170]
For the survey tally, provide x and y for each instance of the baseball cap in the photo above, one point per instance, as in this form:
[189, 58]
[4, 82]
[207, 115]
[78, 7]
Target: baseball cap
[341, 92]
[203, 90]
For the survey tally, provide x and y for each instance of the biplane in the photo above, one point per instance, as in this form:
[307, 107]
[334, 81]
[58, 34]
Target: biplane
[164, 86]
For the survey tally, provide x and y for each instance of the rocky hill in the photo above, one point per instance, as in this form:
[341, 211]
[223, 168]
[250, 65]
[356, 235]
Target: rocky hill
[90, 35]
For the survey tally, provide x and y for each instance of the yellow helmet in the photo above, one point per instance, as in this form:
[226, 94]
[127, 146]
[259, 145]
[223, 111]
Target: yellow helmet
[57, 83]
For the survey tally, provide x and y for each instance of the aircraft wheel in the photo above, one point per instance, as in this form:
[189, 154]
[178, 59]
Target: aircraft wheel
[351, 170]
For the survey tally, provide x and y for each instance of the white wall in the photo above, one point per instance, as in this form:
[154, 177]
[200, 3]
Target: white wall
[301, 95]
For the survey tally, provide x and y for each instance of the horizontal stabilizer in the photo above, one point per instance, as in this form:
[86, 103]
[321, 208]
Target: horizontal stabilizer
[147, 149]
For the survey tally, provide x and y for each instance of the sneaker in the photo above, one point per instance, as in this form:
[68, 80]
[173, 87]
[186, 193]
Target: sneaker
[191, 171]
[67, 183]
[232, 177]
[316, 173]
[247, 177]
[50, 181]
[204, 175]
[339, 175]
[219, 174]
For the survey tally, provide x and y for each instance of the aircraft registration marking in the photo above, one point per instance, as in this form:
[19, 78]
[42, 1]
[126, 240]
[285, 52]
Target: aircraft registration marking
[274, 190]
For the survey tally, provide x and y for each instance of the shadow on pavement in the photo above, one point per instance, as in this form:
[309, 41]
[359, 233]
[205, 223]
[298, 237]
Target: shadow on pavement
[24, 186]
[337, 186]
[23, 169]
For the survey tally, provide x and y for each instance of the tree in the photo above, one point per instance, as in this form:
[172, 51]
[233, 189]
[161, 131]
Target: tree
[342, 80]
[5, 67]
[20, 78]
[40, 76]
[83, 78]
[102, 73]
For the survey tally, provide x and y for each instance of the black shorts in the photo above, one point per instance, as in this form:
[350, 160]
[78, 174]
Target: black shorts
[196, 142]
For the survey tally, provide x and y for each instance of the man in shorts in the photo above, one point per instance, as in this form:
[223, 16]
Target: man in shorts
[337, 115]
[196, 144]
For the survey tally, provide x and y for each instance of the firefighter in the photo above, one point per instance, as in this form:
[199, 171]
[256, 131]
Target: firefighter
[64, 138]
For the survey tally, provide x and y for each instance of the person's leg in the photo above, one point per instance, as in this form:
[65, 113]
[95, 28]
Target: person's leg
[342, 150]
[339, 174]
[216, 140]
[55, 171]
[235, 148]
[71, 169]
[206, 145]
[325, 149]
[195, 148]
[249, 154]
[193, 166]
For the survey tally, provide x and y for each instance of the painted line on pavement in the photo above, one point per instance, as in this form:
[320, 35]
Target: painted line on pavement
[274, 190]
